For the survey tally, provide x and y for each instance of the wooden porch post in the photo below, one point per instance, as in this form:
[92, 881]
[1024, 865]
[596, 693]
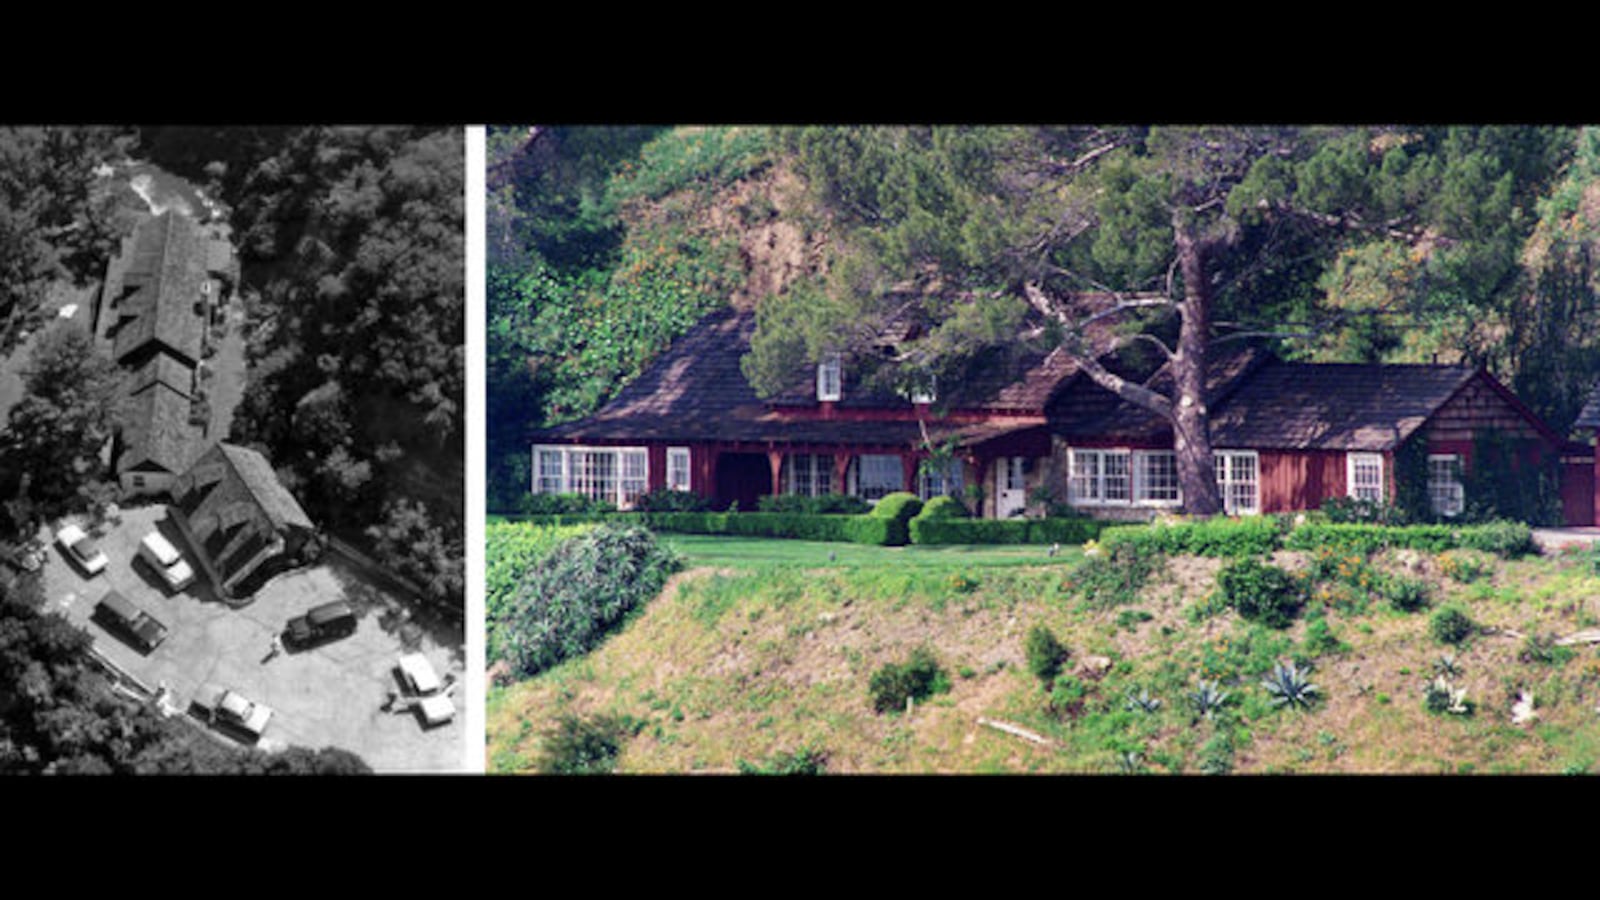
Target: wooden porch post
[988, 505]
[841, 470]
[908, 463]
[775, 460]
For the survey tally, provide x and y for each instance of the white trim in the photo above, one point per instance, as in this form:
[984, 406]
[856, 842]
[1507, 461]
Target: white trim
[1091, 488]
[675, 456]
[601, 473]
[1233, 475]
[830, 377]
[1457, 502]
[1353, 462]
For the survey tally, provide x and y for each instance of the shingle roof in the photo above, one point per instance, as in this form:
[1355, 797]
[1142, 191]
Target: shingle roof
[1589, 417]
[696, 391]
[258, 479]
[1261, 402]
[156, 434]
[159, 285]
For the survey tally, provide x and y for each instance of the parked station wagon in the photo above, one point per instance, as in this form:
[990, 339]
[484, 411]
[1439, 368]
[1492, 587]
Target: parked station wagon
[228, 709]
[118, 613]
[81, 549]
[166, 560]
[322, 623]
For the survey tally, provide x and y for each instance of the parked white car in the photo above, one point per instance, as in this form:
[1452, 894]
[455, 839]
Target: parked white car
[431, 694]
[81, 549]
[224, 708]
[165, 559]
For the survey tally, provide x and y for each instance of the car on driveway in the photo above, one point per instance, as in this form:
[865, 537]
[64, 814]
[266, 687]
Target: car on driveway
[430, 693]
[228, 709]
[321, 623]
[166, 560]
[81, 549]
[117, 613]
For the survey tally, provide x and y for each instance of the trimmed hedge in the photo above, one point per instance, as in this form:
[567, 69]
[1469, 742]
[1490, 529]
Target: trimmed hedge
[800, 526]
[1505, 539]
[924, 530]
[943, 507]
[1219, 537]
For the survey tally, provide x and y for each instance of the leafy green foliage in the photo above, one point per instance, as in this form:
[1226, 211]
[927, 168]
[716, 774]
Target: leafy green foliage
[808, 760]
[575, 595]
[1217, 537]
[1451, 625]
[900, 506]
[823, 505]
[944, 507]
[1113, 577]
[1045, 653]
[918, 678]
[583, 746]
[1260, 592]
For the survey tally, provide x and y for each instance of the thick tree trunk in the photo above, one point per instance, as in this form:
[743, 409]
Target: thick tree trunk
[1191, 419]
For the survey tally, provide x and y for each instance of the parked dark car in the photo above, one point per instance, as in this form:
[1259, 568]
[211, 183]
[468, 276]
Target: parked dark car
[118, 613]
[323, 623]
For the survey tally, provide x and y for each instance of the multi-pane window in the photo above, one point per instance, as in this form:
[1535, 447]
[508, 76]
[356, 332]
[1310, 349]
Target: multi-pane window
[1445, 491]
[878, 475]
[808, 474]
[549, 475]
[1123, 477]
[830, 377]
[936, 481]
[612, 474]
[1365, 471]
[1238, 481]
[677, 468]
[1156, 476]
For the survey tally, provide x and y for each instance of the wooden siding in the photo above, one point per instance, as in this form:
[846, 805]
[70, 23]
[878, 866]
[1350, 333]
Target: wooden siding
[1577, 489]
[1478, 407]
[1294, 480]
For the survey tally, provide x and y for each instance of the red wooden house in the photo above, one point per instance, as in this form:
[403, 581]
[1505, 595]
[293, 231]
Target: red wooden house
[692, 422]
[1287, 436]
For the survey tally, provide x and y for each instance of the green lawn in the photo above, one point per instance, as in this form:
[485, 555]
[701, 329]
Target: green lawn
[737, 552]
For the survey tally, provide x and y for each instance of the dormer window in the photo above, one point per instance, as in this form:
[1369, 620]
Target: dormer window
[830, 378]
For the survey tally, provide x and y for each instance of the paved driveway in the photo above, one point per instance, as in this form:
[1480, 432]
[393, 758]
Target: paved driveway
[330, 695]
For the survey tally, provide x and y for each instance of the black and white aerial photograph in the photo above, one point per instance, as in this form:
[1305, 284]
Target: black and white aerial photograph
[231, 450]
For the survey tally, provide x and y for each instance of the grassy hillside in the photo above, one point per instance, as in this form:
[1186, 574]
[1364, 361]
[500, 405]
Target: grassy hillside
[752, 663]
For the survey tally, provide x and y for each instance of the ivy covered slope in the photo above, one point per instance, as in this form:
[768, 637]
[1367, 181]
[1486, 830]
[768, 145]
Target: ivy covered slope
[1360, 658]
[608, 243]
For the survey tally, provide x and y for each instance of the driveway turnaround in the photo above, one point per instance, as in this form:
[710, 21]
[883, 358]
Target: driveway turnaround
[334, 694]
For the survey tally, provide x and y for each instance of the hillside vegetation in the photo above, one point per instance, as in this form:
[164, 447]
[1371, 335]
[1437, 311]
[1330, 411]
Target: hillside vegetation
[772, 667]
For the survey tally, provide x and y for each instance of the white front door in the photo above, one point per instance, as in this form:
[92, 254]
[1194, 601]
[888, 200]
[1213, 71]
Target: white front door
[1010, 488]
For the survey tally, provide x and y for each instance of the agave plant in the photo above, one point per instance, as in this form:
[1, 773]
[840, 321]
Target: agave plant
[1143, 700]
[1130, 762]
[1289, 686]
[1446, 666]
[1207, 698]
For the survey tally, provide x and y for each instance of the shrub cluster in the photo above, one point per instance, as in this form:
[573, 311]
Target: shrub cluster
[865, 529]
[943, 507]
[583, 746]
[1451, 625]
[1045, 654]
[1076, 530]
[823, 505]
[575, 595]
[1260, 592]
[917, 678]
[561, 504]
[667, 500]
[1113, 577]
[1505, 539]
[1218, 537]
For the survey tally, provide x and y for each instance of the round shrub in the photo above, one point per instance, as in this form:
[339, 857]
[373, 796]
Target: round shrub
[943, 507]
[1404, 593]
[898, 505]
[1260, 593]
[918, 678]
[1451, 625]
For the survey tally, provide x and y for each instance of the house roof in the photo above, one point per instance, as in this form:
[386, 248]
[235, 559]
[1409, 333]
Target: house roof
[260, 483]
[156, 434]
[158, 286]
[696, 390]
[1259, 401]
[1589, 416]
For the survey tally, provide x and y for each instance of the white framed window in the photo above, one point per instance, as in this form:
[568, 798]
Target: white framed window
[1083, 480]
[1446, 494]
[1238, 480]
[936, 482]
[810, 475]
[926, 390]
[878, 476]
[613, 474]
[549, 471]
[678, 469]
[1364, 476]
[1155, 477]
[830, 377]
